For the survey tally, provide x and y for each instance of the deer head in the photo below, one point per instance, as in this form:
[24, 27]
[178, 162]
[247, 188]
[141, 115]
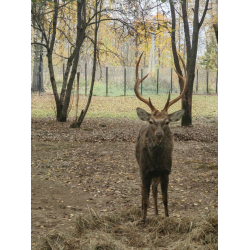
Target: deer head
[159, 120]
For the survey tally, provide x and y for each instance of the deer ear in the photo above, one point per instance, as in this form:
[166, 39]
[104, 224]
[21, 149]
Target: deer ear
[176, 116]
[142, 114]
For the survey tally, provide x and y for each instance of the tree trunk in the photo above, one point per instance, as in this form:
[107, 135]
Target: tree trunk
[191, 54]
[34, 86]
[64, 113]
[81, 26]
[74, 124]
[215, 26]
[174, 50]
[191, 62]
[34, 47]
[37, 79]
[59, 104]
[187, 102]
[66, 76]
[136, 45]
[84, 112]
[40, 81]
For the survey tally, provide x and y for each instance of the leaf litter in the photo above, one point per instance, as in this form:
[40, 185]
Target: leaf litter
[94, 167]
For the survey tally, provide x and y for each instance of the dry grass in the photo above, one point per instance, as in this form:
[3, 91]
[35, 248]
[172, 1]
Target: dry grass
[125, 230]
[120, 106]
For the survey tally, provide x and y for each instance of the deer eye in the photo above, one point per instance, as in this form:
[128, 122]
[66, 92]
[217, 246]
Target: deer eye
[167, 122]
[151, 122]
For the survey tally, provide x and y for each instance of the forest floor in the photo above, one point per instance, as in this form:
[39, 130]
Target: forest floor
[93, 170]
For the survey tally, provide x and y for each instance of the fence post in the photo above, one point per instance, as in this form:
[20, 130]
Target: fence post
[171, 83]
[85, 79]
[216, 82]
[124, 81]
[207, 81]
[141, 78]
[63, 72]
[40, 79]
[157, 80]
[197, 81]
[106, 81]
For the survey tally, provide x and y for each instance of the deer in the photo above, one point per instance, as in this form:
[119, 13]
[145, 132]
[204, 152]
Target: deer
[154, 145]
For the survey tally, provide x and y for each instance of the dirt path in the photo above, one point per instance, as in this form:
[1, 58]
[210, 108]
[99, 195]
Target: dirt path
[74, 170]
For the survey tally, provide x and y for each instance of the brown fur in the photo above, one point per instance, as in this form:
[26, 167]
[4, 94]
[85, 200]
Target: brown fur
[154, 144]
[154, 156]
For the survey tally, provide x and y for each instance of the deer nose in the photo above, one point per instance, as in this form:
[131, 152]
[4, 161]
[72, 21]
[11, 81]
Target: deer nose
[159, 135]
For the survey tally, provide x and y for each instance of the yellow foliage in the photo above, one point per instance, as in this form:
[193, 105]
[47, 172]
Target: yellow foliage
[117, 46]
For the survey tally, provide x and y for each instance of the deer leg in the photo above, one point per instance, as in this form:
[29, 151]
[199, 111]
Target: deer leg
[141, 197]
[154, 191]
[164, 189]
[145, 197]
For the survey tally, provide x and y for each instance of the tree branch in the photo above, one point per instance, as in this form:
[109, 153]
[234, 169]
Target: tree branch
[178, 13]
[39, 44]
[174, 50]
[61, 56]
[59, 7]
[34, 17]
[204, 14]
[66, 37]
[111, 19]
[55, 15]
[107, 11]
[186, 28]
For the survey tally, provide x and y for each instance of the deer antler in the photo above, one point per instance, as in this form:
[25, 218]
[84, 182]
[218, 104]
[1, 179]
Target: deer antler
[137, 83]
[168, 104]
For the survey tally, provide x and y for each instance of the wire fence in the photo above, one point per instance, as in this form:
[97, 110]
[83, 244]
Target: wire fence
[119, 81]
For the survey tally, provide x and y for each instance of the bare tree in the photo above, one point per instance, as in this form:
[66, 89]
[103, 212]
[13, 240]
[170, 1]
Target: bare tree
[49, 35]
[191, 48]
[37, 78]
[77, 123]
[85, 21]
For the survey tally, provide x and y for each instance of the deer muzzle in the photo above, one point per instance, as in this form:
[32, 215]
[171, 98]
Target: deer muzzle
[159, 135]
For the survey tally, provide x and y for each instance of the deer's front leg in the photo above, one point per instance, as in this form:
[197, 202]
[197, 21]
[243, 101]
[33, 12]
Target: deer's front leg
[145, 196]
[154, 191]
[164, 189]
[141, 197]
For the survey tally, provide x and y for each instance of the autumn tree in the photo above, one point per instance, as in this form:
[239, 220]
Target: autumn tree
[210, 59]
[37, 76]
[191, 49]
[214, 7]
[47, 24]
[54, 24]
[77, 123]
